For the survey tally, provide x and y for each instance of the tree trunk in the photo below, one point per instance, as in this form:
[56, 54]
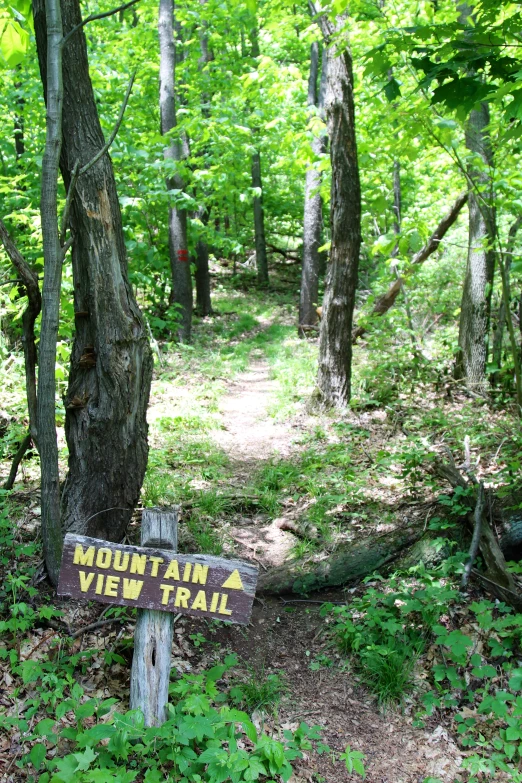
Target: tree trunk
[111, 362]
[181, 294]
[478, 281]
[335, 348]
[397, 201]
[259, 221]
[259, 214]
[203, 301]
[350, 561]
[313, 207]
[19, 123]
[53, 259]
[498, 335]
[202, 276]
[31, 313]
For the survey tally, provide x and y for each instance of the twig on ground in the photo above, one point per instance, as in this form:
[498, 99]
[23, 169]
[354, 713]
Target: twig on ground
[42, 641]
[97, 624]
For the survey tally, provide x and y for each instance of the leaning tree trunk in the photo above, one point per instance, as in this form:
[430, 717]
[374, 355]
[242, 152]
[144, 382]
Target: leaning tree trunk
[387, 300]
[478, 280]
[335, 348]
[111, 363]
[313, 206]
[181, 294]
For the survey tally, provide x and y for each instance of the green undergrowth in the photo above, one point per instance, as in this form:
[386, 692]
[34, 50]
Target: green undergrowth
[64, 734]
[205, 737]
[415, 637]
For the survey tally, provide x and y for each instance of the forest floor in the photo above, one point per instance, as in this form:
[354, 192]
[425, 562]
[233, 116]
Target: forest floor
[259, 473]
[285, 637]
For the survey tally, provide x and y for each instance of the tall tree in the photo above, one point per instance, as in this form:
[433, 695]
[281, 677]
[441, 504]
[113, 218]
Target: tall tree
[313, 207]
[181, 294]
[53, 260]
[478, 281]
[202, 275]
[335, 346]
[111, 363]
[257, 185]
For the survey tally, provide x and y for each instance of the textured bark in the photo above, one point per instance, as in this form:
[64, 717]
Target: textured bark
[313, 207]
[53, 259]
[202, 276]
[259, 214]
[498, 335]
[259, 221]
[478, 280]
[181, 293]
[111, 363]
[32, 311]
[335, 348]
[350, 561]
[387, 300]
[203, 300]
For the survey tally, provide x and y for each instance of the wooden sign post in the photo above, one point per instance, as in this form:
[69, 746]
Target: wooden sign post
[156, 579]
[150, 672]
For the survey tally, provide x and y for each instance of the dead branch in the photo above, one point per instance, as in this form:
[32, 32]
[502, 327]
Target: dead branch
[477, 532]
[496, 568]
[24, 445]
[285, 253]
[77, 172]
[94, 626]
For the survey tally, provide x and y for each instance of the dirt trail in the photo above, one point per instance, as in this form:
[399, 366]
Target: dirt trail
[249, 434]
[287, 637]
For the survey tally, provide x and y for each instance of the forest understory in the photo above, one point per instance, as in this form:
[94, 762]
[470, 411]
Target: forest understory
[260, 472]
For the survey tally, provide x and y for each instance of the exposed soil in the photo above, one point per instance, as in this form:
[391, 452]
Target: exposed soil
[287, 636]
[283, 636]
[248, 434]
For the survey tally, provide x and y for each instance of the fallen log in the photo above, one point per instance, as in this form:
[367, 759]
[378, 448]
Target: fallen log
[351, 561]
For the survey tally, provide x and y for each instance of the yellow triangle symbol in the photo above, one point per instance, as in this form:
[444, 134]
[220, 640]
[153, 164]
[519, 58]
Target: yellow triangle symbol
[234, 581]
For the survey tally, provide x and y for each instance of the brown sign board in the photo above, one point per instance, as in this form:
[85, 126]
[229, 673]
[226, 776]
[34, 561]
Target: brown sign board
[150, 578]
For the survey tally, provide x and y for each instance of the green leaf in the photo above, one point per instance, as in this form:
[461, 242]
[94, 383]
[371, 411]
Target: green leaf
[255, 769]
[85, 759]
[13, 43]
[37, 755]
[45, 727]
[392, 90]
[515, 681]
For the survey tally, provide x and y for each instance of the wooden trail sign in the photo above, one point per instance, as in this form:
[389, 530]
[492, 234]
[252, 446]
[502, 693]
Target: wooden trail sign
[154, 578]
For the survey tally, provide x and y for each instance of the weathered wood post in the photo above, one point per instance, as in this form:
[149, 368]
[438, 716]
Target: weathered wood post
[150, 673]
[153, 578]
